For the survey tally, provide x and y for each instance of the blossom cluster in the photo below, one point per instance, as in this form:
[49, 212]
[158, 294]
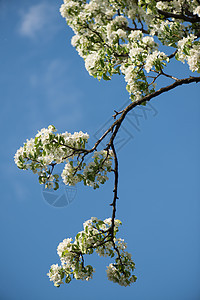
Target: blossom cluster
[42, 153]
[176, 24]
[189, 50]
[93, 174]
[117, 37]
[96, 237]
[143, 55]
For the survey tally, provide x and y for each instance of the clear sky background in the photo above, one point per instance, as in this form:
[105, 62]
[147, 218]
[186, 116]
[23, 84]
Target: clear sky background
[43, 81]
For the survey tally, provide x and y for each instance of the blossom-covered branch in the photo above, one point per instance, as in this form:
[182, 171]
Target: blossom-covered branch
[125, 37]
[108, 44]
[98, 236]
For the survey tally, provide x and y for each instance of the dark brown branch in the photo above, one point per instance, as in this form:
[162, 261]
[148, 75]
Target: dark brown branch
[113, 204]
[116, 114]
[103, 242]
[192, 19]
[169, 76]
[119, 257]
[155, 78]
[116, 125]
[136, 28]
[173, 54]
[78, 167]
[72, 148]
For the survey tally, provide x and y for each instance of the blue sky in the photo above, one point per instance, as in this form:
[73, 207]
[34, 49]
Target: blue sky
[43, 81]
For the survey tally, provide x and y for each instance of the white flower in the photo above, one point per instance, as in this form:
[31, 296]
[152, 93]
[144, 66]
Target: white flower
[152, 58]
[121, 33]
[135, 35]
[190, 52]
[90, 62]
[55, 275]
[161, 6]
[134, 52]
[75, 39]
[197, 11]
[87, 241]
[149, 41]
[65, 245]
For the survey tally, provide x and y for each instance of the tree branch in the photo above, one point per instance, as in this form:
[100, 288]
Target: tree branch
[192, 19]
[115, 191]
[173, 54]
[116, 125]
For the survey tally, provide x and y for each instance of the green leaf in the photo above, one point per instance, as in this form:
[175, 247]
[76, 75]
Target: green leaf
[186, 50]
[105, 77]
[56, 186]
[109, 51]
[102, 63]
[68, 279]
[77, 236]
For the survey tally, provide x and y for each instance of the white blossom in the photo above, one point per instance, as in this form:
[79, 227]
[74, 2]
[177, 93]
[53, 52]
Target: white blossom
[113, 37]
[55, 274]
[93, 238]
[91, 61]
[111, 23]
[156, 56]
[197, 11]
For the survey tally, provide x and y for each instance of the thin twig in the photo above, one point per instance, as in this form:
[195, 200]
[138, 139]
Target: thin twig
[173, 54]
